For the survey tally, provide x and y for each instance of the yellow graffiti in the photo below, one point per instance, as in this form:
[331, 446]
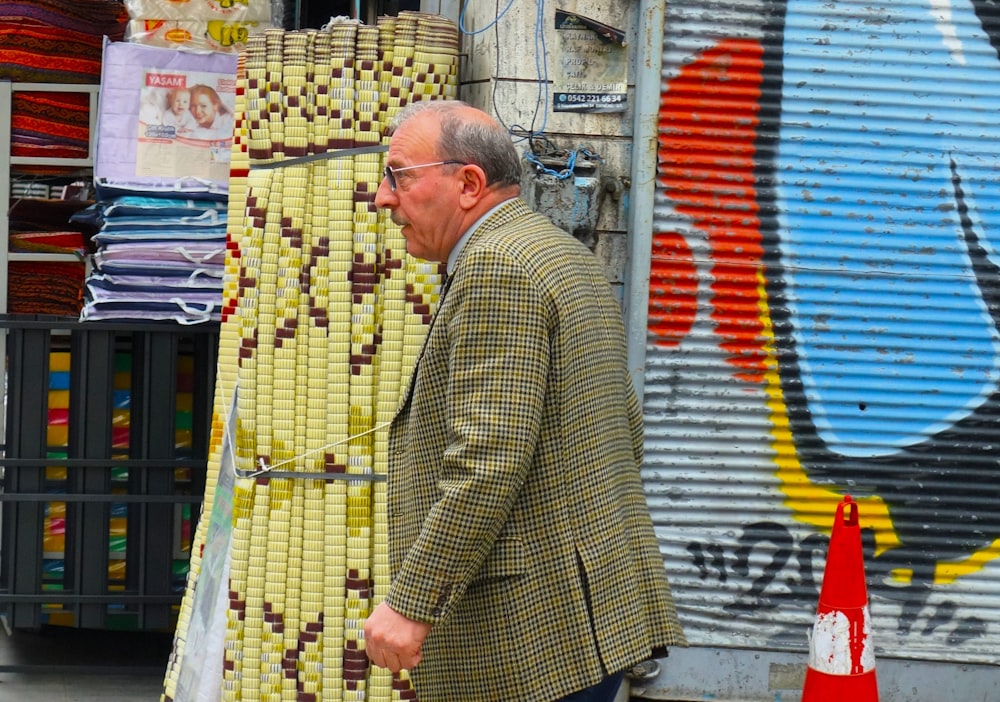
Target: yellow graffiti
[950, 571]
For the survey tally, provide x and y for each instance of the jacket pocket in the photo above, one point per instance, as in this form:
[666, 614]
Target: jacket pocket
[508, 559]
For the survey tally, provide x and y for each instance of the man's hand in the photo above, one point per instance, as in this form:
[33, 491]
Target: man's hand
[392, 640]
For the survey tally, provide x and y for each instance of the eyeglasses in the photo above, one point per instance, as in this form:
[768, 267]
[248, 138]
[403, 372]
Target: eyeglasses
[389, 173]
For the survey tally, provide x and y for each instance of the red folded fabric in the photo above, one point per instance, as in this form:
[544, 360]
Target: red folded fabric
[50, 125]
[57, 41]
[41, 287]
[48, 242]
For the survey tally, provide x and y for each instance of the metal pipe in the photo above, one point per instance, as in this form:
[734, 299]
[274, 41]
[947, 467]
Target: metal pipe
[648, 63]
[645, 119]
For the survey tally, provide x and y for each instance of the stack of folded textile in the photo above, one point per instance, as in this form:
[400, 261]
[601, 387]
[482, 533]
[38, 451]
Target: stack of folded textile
[325, 315]
[50, 125]
[38, 225]
[157, 259]
[165, 132]
[57, 41]
[46, 287]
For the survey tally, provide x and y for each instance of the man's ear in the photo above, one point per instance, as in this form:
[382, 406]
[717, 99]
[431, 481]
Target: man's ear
[473, 183]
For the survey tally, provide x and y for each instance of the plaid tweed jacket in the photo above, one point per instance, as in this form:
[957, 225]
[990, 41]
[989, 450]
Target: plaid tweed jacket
[517, 521]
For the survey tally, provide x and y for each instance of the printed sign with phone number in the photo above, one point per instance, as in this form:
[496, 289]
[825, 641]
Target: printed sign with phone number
[609, 102]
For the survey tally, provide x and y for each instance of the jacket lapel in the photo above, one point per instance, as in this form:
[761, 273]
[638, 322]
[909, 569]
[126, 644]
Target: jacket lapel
[510, 211]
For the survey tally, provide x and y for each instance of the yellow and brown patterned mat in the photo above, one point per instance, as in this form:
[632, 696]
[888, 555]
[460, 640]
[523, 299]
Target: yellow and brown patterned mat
[324, 315]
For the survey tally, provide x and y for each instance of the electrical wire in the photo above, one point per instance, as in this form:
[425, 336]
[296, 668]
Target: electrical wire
[518, 132]
[461, 19]
[566, 172]
[542, 73]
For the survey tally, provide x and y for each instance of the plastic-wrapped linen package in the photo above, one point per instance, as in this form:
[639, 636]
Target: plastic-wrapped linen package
[201, 10]
[159, 258]
[206, 35]
[155, 207]
[165, 121]
[203, 226]
[201, 279]
[191, 308]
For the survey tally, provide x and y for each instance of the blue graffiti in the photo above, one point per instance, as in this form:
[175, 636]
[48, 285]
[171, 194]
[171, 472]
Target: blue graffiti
[885, 290]
[885, 111]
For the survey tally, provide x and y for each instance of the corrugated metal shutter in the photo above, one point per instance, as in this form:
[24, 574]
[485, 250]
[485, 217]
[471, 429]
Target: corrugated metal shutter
[823, 317]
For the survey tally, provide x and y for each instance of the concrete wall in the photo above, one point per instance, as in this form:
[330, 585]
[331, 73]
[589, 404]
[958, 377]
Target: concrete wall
[506, 83]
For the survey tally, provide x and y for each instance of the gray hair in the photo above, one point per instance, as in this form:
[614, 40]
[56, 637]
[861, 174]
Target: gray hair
[482, 143]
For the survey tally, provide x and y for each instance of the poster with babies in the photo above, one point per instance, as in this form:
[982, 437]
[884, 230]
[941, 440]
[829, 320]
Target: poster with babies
[185, 124]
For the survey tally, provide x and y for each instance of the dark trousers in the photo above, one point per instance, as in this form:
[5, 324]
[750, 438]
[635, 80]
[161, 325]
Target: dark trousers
[603, 691]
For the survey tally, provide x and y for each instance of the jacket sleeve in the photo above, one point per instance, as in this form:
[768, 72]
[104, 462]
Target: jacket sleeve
[497, 333]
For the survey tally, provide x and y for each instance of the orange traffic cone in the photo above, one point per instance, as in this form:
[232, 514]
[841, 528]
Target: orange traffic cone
[841, 652]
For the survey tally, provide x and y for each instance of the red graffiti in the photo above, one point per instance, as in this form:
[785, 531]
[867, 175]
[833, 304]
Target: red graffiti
[707, 134]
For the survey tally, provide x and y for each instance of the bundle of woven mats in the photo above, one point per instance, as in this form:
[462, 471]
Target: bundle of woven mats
[324, 314]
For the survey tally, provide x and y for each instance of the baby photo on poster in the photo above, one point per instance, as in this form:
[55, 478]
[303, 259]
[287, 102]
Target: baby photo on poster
[185, 124]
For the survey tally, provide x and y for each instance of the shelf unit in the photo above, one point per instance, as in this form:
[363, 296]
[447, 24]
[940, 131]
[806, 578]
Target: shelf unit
[83, 594]
[7, 90]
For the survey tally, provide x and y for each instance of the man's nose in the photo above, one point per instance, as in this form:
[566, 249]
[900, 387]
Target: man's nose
[384, 197]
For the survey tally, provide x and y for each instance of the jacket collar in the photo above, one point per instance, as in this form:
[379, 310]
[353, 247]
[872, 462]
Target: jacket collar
[504, 213]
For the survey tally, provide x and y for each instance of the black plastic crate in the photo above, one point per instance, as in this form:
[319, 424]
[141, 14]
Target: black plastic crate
[141, 488]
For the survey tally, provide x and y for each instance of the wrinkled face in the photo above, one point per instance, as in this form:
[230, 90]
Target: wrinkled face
[425, 202]
[204, 110]
[182, 101]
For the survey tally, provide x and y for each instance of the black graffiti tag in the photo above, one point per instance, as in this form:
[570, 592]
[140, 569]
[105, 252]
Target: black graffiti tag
[785, 574]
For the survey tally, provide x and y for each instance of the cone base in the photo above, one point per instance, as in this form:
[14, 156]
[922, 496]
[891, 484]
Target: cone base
[823, 687]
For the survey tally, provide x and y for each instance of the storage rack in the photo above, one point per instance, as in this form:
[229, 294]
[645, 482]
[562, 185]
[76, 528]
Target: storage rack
[153, 497]
[7, 90]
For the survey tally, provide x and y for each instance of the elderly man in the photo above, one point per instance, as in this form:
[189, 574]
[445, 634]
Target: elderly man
[524, 564]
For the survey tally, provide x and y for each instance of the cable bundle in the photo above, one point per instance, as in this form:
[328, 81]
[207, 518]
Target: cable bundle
[324, 316]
